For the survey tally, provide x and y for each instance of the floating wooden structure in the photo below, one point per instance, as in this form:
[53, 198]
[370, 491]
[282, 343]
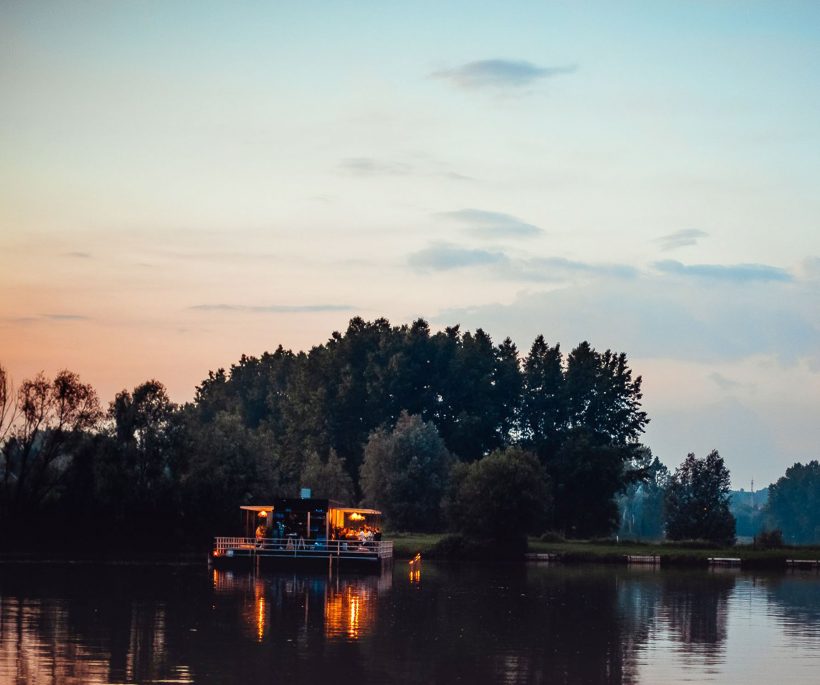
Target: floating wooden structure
[724, 561]
[653, 559]
[307, 531]
[540, 556]
[803, 563]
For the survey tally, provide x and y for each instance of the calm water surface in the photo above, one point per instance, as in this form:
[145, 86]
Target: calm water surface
[446, 624]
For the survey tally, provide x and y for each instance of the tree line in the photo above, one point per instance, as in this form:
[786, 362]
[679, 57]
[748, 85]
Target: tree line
[399, 417]
[268, 424]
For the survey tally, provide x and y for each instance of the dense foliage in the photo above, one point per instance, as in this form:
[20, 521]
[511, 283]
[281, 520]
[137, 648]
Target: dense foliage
[327, 479]
[794, 503]
[501, 497]
[697, 501]
[323, 419]
[405, 473]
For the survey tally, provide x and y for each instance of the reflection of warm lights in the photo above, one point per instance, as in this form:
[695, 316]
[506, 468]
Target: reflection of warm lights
[259, 603]
[224, 581]
[415, 569]
[349, 612]
[356, 516]
[353, 625]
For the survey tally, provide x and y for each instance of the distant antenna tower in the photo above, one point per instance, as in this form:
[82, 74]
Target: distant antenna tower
[753, 493]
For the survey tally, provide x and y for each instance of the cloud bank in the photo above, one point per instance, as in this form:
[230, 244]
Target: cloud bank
[499, 73]
[737, 273]
[655, 315]
[448, 257]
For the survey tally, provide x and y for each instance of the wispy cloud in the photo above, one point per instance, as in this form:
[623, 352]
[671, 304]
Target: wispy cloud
[455, 176]
[40, 318]
[683, 238]
[486, 224]
[65, 317]
[273, 308]
[500, 73]
[738, 273]
[78, 255]
[446, 256]
[367, 166]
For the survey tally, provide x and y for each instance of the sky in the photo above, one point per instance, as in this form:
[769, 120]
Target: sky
[184, 183]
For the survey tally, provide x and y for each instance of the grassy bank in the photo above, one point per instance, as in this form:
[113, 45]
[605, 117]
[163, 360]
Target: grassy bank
[406, 545]
[671, 553]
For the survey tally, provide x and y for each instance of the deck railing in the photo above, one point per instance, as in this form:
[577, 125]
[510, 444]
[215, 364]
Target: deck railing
[300, 547]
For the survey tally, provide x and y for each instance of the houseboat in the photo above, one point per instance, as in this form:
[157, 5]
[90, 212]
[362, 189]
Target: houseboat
[306, 530]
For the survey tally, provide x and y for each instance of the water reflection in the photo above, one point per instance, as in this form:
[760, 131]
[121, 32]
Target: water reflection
[58, 627]
[694, 607]
[347, 605]
[493, 624]
[414, 566]
[794, 600]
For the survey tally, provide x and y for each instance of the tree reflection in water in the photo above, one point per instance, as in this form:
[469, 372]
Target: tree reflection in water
[794, 599]
[491, 624]
[694, 607]
[69, 625]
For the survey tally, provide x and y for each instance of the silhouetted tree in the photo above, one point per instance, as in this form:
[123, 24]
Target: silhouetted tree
[697, 501]
[794, 503]
[138, 469]
[52, 419]
[8, 406]
[143, 427]
[228, 465]
[500, 497]
[329, 478]
[602, 397]
[587, 472]
[405, 473]
[543, 409]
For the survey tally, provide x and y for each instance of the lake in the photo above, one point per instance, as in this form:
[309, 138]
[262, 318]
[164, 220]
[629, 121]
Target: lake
[443, 624]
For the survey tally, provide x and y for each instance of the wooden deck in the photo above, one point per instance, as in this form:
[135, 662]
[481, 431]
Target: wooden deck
[228, 549]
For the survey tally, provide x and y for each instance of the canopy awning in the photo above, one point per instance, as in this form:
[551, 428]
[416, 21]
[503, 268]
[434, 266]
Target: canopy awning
[354, 510]
[257, 507]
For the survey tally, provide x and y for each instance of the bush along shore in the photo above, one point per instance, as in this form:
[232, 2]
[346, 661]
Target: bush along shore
[695, 553]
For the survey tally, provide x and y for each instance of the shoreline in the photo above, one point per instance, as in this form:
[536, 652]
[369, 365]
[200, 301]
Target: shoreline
[407, 545]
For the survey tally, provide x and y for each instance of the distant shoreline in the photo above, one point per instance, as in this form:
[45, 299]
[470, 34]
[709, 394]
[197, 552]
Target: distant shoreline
[407, 545]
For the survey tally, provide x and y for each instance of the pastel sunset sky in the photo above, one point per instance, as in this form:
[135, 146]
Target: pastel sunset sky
[181, 183]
